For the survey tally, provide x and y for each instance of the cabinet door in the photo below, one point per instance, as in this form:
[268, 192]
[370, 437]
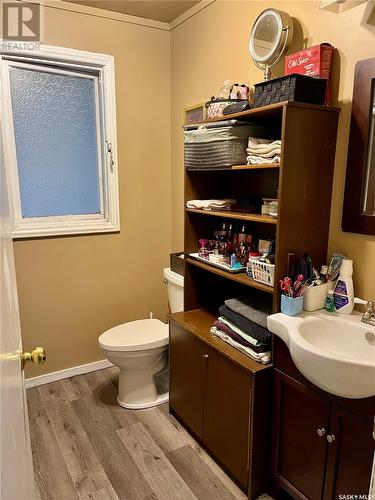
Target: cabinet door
[350, 455]
[226, 414]
[186, 377]
[299, 452]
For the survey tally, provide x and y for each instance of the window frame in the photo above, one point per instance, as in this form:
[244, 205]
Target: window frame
[60, 58]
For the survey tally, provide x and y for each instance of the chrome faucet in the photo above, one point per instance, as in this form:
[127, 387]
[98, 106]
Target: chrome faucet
[368, 316]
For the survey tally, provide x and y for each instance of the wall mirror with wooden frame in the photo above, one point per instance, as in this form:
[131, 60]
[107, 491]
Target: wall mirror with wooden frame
[359, 199]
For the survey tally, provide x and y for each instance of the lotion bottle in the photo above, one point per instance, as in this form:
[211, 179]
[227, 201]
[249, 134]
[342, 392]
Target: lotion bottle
[343, 294]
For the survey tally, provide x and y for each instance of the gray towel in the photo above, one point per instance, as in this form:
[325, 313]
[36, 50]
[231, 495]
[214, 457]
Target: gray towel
[246, 325]
[254, 309]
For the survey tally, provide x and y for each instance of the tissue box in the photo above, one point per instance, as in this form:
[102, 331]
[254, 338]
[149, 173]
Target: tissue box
[315, 61]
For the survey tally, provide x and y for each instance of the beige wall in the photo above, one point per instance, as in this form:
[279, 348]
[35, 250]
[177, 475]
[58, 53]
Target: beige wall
[73, 288]
[212, 46]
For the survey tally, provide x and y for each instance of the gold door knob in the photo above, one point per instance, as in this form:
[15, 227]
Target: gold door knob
[37, 356]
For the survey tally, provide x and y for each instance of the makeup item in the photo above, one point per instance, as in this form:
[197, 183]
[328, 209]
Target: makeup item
[233, 260]
[343, 293]
[265, 246]
[242, 234]
[334, 266]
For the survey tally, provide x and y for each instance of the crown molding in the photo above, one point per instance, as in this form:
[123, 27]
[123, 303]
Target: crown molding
[203, 4]
[123, 18]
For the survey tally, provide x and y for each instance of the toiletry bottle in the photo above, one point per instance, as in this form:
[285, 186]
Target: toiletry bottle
[343, 293]
[242, 235]
[224, 91]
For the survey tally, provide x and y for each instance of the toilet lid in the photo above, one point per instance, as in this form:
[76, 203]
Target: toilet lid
[135, 336]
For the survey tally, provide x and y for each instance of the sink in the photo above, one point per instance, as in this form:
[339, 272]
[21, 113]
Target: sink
[336, 353]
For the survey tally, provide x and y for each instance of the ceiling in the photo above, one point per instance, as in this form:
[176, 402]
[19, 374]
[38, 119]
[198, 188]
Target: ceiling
[159, 10]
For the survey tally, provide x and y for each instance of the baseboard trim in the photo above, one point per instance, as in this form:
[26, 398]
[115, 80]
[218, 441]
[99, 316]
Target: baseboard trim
[68, 372]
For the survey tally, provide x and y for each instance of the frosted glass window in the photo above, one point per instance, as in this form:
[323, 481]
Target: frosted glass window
[58, 106]
[56, 138]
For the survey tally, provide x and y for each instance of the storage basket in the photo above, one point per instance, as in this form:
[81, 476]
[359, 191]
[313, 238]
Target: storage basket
[177, 263]
[293, 87]
[262, 272]
[215, 107]
[219, 145]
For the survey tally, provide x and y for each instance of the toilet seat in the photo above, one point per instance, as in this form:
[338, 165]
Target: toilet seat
[135, 336]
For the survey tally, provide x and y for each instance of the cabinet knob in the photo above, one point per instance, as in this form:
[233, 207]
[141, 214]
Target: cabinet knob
[205, 356]
[331, 438]
[321, 432]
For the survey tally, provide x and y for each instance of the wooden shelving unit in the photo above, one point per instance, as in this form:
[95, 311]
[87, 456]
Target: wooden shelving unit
[302, 183]
[204, 369]
[241, 278]
[228, 214]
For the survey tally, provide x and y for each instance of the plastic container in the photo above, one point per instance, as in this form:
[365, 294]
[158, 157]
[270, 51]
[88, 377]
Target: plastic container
[343, 294]
[314, 298]
[262, 272]
[291, 305]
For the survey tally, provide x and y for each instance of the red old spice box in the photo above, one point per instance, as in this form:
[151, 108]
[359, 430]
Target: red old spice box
[315, 61]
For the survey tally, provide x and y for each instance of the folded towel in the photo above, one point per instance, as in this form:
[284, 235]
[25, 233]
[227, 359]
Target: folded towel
[253, 308]
[266, 149]
[260, 142]
[263, 358]
[211, 204]
[254, 342]
[240, 339]
[245, 325]
[258, 160]
[269, 154]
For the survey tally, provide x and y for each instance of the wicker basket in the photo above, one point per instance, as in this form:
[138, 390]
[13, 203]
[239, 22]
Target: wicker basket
[177, 263]
[219, 144]
[263, 272]
[293, 87]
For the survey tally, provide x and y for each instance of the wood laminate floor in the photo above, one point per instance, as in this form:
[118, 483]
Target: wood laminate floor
[86, 447]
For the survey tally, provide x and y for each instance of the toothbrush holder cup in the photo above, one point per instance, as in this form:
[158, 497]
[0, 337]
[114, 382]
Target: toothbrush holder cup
[291, 305]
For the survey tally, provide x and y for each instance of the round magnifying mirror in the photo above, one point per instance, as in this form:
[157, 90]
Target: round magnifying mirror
[270, 37]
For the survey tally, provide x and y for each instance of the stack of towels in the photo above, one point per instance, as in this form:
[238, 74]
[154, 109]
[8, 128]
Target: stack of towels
[260, 151]
[243, 324]
[224, 204]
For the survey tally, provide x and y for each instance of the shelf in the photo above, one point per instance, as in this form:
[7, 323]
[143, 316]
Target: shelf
[270, 110]
[239, 278]
[236, 168]
[199, 322]
[227, 214]
[265, 166]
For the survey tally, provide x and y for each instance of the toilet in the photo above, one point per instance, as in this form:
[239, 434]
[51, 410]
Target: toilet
[140, 350]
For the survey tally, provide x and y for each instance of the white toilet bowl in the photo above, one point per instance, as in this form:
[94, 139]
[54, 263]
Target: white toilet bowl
[140, 350]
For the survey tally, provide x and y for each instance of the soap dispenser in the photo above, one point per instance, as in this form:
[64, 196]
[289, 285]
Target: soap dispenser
[343, 293]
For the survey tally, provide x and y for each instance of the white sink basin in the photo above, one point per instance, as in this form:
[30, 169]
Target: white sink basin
[336, 353]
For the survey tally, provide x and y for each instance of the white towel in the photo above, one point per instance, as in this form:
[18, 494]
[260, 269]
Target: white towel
[211, 204]
[258, 160]
[259, 142]
[269, 154]
[261, 357]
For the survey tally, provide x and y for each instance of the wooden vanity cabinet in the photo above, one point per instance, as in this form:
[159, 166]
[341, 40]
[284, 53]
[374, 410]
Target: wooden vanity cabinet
[223, 397]
[322, 444]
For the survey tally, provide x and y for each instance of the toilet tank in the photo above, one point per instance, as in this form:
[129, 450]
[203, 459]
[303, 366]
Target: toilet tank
[175, 286]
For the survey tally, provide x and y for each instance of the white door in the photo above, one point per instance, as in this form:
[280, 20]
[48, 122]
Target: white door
[16, 471]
